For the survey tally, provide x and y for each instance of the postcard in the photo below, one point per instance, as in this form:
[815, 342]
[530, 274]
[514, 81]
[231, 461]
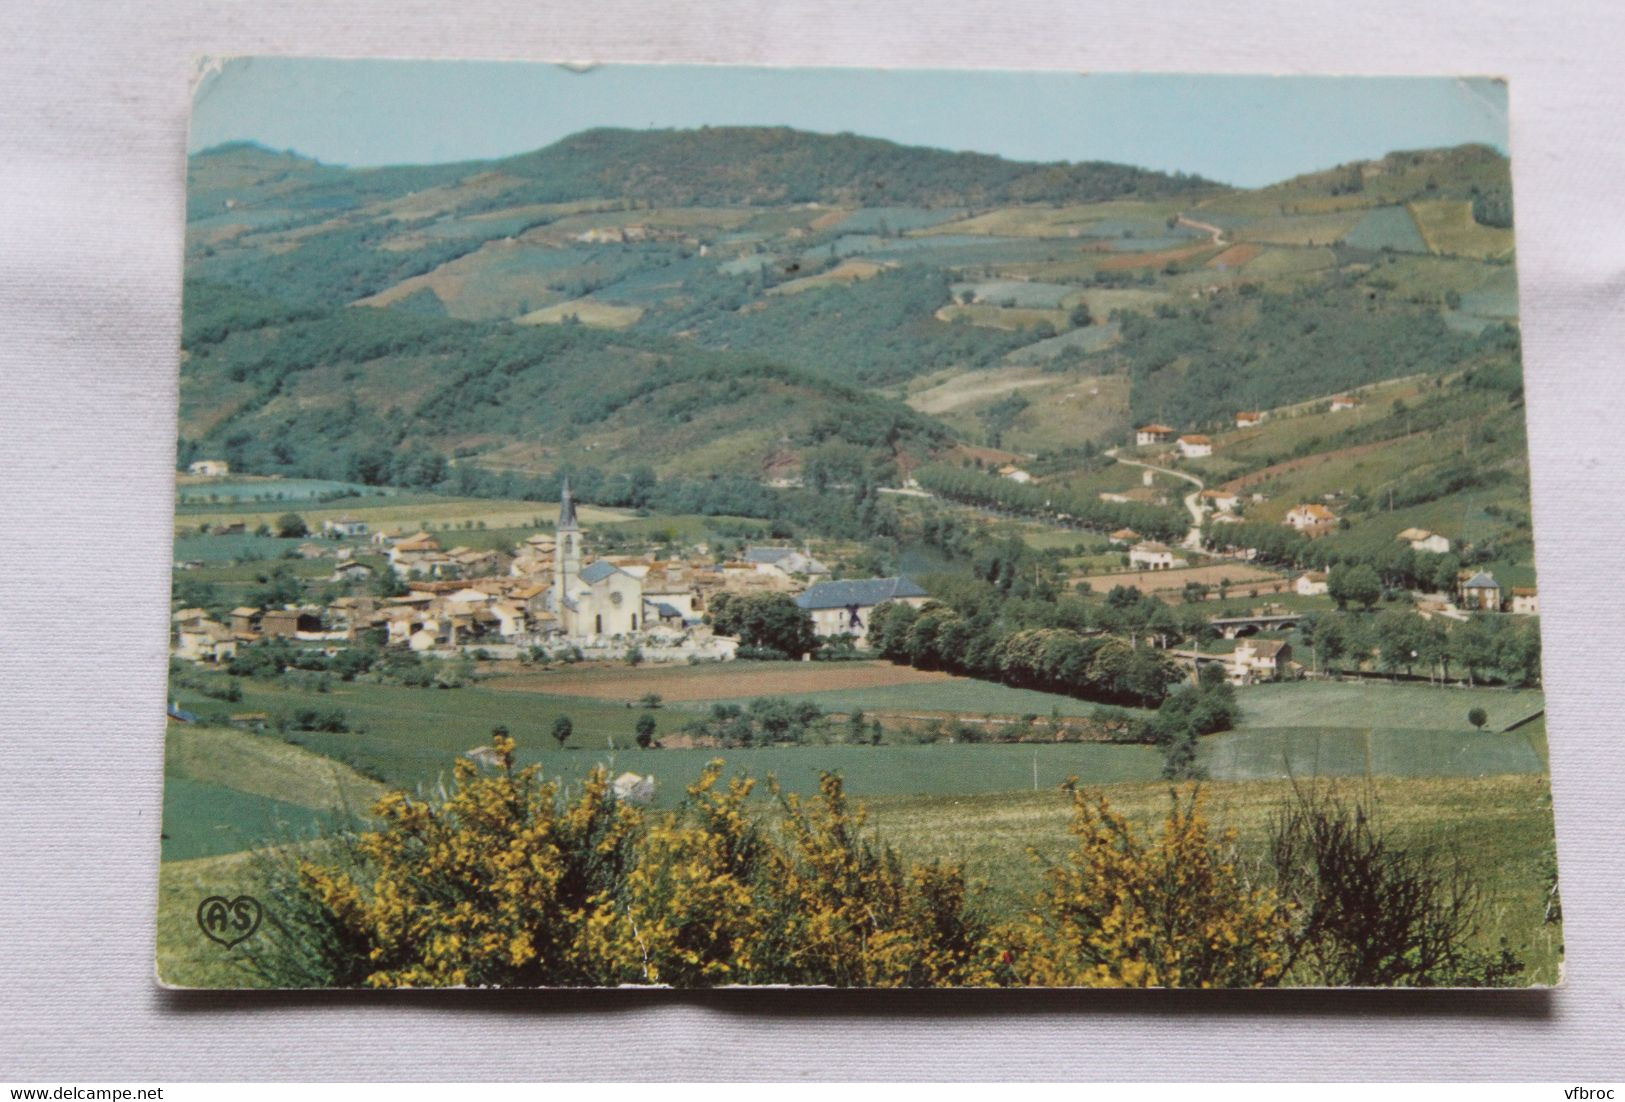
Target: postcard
[696, 526]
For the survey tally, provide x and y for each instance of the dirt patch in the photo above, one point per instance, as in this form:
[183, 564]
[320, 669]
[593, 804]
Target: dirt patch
[714, 681]
[1121, 261]
[1235, 256]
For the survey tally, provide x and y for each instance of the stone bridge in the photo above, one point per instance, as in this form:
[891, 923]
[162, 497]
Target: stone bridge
[1234, 627]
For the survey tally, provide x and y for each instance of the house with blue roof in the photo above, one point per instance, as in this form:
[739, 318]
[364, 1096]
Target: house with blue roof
[843, 608]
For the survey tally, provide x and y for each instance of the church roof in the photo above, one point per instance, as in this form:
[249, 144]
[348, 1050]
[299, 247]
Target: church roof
[864, 593]
[1481, 580]
[598, 571]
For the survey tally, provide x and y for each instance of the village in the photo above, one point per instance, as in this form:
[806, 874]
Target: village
[547, 596]
[547, 593]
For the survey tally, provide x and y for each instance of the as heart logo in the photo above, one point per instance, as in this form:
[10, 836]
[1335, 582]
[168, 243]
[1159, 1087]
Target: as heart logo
[229, 921]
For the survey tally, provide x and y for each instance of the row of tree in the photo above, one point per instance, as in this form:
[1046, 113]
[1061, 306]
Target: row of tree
[1483, 649]
[1060, 660]
[974, 487]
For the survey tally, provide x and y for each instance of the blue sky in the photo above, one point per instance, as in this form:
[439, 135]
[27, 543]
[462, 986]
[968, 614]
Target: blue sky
[1239, 129]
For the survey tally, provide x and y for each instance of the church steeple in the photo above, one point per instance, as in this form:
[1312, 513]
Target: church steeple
[566, 558]
[567, 509]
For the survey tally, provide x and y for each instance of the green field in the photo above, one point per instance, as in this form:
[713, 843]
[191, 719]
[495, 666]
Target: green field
[1364, 704]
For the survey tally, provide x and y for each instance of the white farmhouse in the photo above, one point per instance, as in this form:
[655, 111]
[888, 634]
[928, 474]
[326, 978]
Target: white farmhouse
[1421, 539]
[1154, 556]
[1310, 518]
[1153, 434]
[1195, 446]
[209, 468]
[1311, 584]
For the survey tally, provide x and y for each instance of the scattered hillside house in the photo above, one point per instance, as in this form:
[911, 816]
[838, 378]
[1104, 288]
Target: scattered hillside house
[1154, 556]
[345, 527]
[1195, 446]
[351, 571]
[1310, 584]
[1341, 402]
[843, 608]
[1312, 518]
[1259, 660]
[1481, 593]
[1222, 500]
[1249, 419]
[1014, 473]
[209, 468]
[1421, 539]
[1125, 535]
[1525, 600]
[786, 560]
[1153, 434]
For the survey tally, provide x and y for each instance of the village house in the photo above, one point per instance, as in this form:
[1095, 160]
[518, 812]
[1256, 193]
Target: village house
[413, 552]
[1311, 519]
[1124, 535]
[1014, 473]
[1248, 419]
[1222, 500]
[1341, 402]
[1154, 556]
[344, 527]
[787, 561]
[843, 608]
[1421, 539]
[1152, 434]
[1195, 446]
[290, 623]
[201, 639]
[209, 468]
[1481, 593]
[245, 621]
[1311, 584]
[1259, 660]
[1525, 601]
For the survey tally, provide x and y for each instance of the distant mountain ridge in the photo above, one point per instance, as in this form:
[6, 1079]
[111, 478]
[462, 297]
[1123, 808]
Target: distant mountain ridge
[746, 165]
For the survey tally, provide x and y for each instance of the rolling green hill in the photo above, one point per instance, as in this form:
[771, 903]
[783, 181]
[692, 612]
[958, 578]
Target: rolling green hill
[351, 392]
[705, 302]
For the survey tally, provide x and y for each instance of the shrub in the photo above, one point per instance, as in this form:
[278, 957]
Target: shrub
[1371, 913]
[1176, 911]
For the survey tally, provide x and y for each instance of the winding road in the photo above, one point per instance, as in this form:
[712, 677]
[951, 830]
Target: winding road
[1193, 500]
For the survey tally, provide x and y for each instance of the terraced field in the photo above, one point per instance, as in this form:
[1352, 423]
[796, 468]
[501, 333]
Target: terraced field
[1450, 230]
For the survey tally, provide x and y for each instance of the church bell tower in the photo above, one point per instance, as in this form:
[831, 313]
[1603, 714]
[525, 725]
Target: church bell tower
[566, 555]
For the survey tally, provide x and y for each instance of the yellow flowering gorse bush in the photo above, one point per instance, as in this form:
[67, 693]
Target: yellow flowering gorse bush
[507, 882]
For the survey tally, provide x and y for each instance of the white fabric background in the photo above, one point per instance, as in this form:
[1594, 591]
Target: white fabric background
[93, 113]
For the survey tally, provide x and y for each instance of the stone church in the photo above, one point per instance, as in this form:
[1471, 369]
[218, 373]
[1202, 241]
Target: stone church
[594, 601]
